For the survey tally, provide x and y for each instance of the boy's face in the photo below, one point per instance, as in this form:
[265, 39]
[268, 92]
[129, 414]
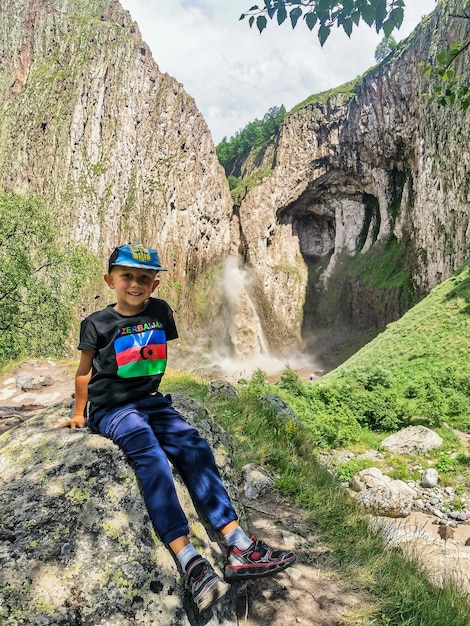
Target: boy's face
[133, 286]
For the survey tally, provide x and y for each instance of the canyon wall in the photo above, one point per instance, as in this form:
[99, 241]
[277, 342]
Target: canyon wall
[373, 168]
[117, 148]
[362, 208]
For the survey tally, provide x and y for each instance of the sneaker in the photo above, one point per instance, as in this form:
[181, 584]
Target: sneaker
[258, 560]
[205, 585]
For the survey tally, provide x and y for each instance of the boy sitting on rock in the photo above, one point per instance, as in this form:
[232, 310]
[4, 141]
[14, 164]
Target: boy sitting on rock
[123, 358]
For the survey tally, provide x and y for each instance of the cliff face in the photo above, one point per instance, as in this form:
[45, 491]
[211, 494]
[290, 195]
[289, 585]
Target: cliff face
[377, 174]
[115, 146]
[363, 207]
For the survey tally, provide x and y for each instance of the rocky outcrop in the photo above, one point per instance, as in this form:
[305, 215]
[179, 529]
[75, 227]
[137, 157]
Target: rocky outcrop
[418, 439]
[76, 543]
[371, 167]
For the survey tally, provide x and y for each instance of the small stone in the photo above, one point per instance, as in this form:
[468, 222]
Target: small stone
[430, 478]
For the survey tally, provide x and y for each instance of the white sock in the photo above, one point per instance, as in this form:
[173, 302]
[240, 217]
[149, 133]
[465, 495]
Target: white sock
[238, 538]
[186, 554]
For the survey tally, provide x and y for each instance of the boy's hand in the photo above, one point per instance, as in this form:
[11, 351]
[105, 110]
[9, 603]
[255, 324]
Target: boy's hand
[76, 421]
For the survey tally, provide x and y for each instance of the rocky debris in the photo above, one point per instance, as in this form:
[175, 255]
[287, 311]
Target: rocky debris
[31, 386]
[412, 439]
[444, 503]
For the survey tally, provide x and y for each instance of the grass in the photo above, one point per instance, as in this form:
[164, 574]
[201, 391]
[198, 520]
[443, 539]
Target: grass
[415, 372]
[345, 89]
[433, 336]
[398, 587]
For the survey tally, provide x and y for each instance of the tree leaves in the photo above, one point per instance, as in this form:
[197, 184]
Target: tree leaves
[36, 290]
[261, 23]
[447, 86]
[294, 16]
[385, 15]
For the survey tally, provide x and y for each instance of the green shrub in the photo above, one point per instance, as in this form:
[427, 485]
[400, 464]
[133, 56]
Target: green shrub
[40, 282]
[345, 471]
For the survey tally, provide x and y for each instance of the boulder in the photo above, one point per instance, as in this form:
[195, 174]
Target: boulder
[391, 499]
[257, 481]
[412, 439]
[369, 478]
[27, 381]
[430, 478]
[281, 411]
[222, 387]
[76, 543]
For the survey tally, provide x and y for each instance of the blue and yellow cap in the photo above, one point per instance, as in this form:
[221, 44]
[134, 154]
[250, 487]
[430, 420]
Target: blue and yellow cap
[135, 255]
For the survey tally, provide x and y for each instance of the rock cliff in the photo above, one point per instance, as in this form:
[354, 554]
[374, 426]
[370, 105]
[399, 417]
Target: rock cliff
[117, 147]
[362, 208]
[366, 208]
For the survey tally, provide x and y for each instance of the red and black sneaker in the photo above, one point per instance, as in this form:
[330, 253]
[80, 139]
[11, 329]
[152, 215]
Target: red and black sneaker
[258, 560]
[205, 585]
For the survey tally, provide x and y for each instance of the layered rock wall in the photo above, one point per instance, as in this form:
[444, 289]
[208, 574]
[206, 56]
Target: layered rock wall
[120, 151]
[117, 148]
[354, 171]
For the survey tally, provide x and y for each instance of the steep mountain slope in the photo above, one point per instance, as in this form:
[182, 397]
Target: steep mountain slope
[116, 147]
[366, 208]
[363, 206]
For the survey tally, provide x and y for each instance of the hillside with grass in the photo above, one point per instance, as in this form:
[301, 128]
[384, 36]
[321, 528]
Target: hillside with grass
[416, 371]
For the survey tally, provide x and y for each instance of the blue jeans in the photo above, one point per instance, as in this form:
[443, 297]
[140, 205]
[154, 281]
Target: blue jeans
[150, 432]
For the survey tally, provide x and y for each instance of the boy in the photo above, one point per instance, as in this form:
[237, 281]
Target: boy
[123, 358]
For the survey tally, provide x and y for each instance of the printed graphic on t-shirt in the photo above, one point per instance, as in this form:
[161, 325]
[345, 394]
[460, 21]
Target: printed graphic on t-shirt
[141, 350]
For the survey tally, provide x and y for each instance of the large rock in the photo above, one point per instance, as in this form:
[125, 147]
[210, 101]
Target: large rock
[391, 499]
[381, 495]
[350, 172]
[114, 146]
[76, 543]
[412, 439]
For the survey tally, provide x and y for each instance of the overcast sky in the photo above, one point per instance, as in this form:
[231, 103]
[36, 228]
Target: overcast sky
[235, 74]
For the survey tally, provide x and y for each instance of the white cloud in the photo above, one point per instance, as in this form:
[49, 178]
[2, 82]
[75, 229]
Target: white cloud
[234, 74]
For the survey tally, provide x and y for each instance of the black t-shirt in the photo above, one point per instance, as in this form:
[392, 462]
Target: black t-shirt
[130, 352]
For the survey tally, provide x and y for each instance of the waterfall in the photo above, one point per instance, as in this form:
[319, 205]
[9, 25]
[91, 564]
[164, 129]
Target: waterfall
[247, 348]
[245, 330]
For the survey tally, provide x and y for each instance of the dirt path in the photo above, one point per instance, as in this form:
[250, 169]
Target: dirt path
[309, 592]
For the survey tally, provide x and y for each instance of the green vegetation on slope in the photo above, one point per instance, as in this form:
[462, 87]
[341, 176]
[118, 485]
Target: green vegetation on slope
[346, 89]
[255, 135]
[416, 371]
[397, 589]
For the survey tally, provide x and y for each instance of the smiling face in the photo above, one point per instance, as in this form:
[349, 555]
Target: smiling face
[133, 287]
